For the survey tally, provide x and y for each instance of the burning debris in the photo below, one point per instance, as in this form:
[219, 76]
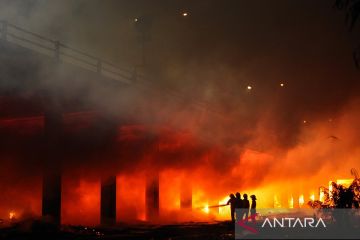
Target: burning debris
[338, 195]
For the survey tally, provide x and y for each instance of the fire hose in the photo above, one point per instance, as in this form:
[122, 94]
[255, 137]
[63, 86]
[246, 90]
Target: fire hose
[213, 206]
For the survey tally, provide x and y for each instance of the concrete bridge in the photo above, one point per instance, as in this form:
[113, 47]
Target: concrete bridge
[48, 79]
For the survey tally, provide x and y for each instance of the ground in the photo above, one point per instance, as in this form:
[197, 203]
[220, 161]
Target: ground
[186, 231]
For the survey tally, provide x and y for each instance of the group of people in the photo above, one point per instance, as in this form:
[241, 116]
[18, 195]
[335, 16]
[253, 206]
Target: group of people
[242, 207]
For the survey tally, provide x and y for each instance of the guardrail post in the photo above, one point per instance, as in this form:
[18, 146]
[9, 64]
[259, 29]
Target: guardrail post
[4, 30]
[99, 66]
[57, 50]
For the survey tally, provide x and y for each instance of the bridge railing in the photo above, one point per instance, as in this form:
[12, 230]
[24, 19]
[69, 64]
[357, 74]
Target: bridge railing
[61, 52]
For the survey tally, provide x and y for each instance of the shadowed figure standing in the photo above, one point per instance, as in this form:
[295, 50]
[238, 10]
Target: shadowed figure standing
[232, 202]
[238, 206]
[246, 206]
[253, 208]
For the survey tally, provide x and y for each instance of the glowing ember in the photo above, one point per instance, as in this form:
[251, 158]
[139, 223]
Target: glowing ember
[282, 85]
[185, 14]
[249, 87]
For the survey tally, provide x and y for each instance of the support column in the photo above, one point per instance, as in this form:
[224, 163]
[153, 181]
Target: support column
[51, 192]
[108, 201]
[51, 199]
[152, 197]
[186, 196]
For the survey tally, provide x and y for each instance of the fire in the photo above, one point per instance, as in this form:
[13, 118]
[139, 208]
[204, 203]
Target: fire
[81, 198]
[291, 202]
[277, 203]
[345, 182]
[224, 212]
[12, 215]
[322, 194]
[330, 188]
[206, 209]
[312, 197]
[301, 200]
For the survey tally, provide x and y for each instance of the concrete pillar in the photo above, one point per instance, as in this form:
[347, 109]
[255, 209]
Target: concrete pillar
[152, 197]
[108, 201]
[186, 196]
[51, 192]
[51, 198]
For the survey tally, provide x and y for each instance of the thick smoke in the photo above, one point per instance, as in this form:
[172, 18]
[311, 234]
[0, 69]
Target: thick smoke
[195, 114]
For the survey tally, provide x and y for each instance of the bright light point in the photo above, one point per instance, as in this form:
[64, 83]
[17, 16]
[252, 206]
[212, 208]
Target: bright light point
[281, 84]
[304, 121]
[301, 200]
[185, 14]
[11, 215]
[206, 209]
[136, 19]
[312, 197]
[249, 87]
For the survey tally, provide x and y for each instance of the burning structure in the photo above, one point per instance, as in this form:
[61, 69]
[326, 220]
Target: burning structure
[84, 142]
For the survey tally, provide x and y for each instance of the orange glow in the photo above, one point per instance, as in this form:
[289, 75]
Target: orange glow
[345, 182]
[277, 203]
[312, 197]
[224, 212]
[291, 202]
[301, 200]
[278, 180]
[12, 215]
[206, 209]
[80, 202]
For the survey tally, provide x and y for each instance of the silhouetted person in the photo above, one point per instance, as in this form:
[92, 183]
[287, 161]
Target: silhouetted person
[232, 202]
[246, 206]
[238, 206]
[253, 208]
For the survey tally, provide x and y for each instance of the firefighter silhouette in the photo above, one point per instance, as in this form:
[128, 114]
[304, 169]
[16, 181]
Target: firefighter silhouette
[253, 208]
[246, 206]
[232, 202]
[238, 206]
